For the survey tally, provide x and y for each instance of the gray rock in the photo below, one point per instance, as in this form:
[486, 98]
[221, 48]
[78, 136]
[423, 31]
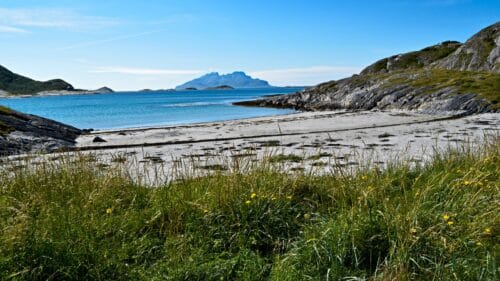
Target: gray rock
[480, 53]
[98, 139]
[25, 133]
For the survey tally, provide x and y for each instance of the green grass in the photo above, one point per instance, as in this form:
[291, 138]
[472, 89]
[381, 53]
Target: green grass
[484, 84]
[413, 60]
[77, 222]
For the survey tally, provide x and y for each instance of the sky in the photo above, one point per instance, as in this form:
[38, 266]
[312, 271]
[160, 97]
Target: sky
[158, 44]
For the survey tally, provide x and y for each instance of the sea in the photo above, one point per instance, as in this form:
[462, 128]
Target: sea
[121, 110]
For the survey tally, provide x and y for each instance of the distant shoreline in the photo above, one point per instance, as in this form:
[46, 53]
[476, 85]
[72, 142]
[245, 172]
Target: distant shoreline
[5, 95]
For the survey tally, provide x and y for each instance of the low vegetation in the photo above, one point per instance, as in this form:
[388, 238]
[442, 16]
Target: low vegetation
[20, 85]
[434, 222]
[413, 60]
[484, 84]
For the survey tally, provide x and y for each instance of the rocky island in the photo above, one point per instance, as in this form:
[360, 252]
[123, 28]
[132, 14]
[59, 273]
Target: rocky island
[221, 87]
[237, 80]
[444, 78]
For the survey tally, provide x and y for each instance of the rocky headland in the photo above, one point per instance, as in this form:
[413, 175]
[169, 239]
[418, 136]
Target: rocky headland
[15, 85]
[450, 77]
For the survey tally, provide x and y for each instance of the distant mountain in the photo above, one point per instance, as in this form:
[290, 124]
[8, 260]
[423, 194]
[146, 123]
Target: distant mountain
[16, 84]
[237, 79]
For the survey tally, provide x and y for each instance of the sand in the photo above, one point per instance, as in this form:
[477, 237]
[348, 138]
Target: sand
[315, 142]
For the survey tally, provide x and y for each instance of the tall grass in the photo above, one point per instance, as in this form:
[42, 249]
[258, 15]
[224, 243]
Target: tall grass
[76, 221]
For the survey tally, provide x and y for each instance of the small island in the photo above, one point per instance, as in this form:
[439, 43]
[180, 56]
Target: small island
[218, 88]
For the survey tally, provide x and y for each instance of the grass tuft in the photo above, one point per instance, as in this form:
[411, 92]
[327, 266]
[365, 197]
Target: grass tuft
[424, 222]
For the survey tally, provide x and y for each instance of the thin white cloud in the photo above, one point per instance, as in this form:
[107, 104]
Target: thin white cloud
[11, 29]
[52, 18]
[145, 71]
[305, 76]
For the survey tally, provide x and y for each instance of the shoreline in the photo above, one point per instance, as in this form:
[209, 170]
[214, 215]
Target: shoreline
[274, 118]
[318, 142]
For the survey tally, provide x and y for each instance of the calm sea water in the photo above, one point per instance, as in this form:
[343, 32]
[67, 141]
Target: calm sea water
[143, 109]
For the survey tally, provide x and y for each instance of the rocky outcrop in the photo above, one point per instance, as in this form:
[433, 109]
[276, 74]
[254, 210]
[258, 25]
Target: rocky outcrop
[404, 91]
[103, 90]
[24, 133]
[480, 53]
[432, 80]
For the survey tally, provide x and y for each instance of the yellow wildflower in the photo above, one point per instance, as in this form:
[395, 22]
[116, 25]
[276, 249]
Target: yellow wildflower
[467, 182]
[205, 211]
[248, 202]
[446, 217]
[364, 177]
[253, 195]
[289, 197]
[487, 231]
[450, 223]
[109, 210]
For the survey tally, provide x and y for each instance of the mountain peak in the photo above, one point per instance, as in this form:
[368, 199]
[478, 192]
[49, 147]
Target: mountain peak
[237, 79]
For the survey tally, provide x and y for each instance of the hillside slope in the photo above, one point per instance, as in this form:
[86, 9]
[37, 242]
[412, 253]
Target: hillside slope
[436, 80]
[13, 83]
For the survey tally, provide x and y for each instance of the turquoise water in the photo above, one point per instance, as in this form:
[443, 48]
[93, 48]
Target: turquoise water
[144, 109]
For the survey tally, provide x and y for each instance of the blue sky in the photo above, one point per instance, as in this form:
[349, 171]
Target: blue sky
[131, 45]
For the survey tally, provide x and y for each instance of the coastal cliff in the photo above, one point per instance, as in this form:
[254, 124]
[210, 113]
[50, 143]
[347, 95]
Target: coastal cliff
[25, 133]
[448, 77]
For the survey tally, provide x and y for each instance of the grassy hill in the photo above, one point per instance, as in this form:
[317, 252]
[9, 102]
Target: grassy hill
[19, 85]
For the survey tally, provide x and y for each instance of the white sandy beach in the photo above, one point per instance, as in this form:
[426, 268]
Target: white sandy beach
[323, 141]
[319, 142]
